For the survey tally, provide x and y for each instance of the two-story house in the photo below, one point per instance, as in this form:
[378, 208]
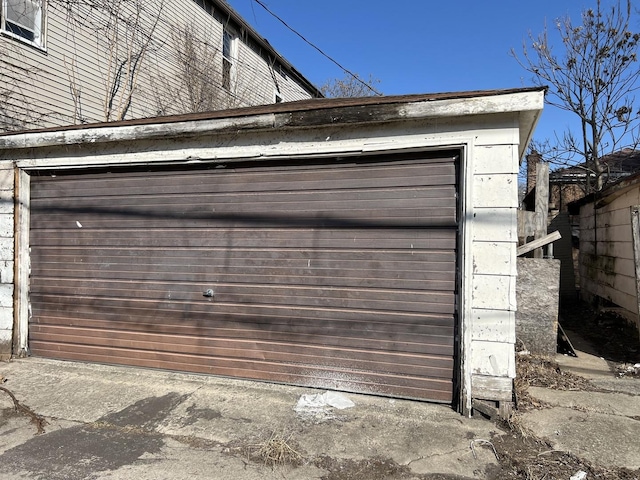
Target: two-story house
[71, 62]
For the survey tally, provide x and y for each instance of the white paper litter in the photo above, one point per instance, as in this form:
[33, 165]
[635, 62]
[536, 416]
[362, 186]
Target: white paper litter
[320, 401]
[580, 475]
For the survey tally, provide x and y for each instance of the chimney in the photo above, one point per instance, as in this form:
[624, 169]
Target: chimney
[533, 159]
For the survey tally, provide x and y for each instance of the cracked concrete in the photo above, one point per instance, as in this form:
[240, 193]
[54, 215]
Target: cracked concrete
[117, 422]
[600, 426]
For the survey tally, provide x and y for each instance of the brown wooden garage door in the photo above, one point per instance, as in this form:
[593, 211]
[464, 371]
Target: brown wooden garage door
[337, 275]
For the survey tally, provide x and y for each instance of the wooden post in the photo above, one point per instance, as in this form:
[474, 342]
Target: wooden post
[526, 225]
[22, 262]
[635, 234]
[542, 204]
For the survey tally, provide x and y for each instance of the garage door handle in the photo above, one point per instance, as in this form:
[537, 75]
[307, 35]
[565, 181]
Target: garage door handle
[208, 293]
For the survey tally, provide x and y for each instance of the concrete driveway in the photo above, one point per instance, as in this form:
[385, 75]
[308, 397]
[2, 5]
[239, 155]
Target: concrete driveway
[107, 422]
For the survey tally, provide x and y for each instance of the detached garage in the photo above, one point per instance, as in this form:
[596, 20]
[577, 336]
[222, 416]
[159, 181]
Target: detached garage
[365, 245]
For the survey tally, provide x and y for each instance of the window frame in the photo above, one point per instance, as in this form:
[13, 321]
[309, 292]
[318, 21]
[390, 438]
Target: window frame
[229, 59]
[39, 35]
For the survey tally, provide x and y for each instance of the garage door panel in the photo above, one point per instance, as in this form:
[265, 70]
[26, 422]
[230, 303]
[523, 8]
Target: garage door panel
[438, 216]
[336, 182]
[316, 296]
[240, 237]
[408, 338]
[337, 275]
[328, 199]
[116, 268]
[328, 278]
[435, 305]
[284, 179]
[137, 310]
[409, 265]
[349, 381]
[220, 348]
[339, 379]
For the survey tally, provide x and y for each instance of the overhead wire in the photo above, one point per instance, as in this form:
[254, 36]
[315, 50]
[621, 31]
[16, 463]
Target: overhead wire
[344, 69]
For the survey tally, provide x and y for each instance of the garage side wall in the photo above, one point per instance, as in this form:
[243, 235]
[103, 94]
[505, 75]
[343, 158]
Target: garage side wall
[607, 268]
[493, 249]
[6, 258]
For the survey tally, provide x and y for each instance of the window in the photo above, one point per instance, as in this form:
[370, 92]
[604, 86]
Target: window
[23, 19]
[229, 54]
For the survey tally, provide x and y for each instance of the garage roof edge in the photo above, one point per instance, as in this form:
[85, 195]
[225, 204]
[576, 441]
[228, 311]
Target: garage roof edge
[302, 114]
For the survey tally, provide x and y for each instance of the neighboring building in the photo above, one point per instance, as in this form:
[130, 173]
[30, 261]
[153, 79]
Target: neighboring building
[101, 60]
[566, 186]
[610, 247]
[364, 244]
[569, 184]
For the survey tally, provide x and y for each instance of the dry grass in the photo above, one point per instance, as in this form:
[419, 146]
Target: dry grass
[538, 371]
[277, 450]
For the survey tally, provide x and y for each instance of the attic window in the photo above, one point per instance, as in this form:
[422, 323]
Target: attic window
[229, 58]
[23, 19]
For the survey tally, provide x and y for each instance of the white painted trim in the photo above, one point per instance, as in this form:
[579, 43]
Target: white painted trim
[125, 133]
[438, 142]
[260, 152]
[22, 263]
[466, 273]
[460, 107]
[527, 104]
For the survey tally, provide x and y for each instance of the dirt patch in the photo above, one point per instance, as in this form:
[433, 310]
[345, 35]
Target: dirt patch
[524, 456]
[38, 420]
[530, 458]
[610, 335]
[365, 469]
[539, 371]
[194, 414]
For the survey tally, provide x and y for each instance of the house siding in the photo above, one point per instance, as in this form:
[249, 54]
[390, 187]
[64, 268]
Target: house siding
[67, 83]
[607, 268]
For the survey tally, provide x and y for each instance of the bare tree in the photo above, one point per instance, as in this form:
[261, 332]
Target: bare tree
[350, 86]
[126, 31]
[197, 84]
[594, 76]
[129, 40]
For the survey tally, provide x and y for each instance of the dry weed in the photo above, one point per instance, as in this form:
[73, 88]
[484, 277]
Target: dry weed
[539, 371]
[278, 449]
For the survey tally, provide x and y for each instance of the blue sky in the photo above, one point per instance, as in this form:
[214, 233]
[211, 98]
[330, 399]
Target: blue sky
[415, 46]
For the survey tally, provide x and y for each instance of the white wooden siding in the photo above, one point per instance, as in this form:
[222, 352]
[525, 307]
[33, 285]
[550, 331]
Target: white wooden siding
[494, 234]
[6, 257]
[76, 56]
[607, 268]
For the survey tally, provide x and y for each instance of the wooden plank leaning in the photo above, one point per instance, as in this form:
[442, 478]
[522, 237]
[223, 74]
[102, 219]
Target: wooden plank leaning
[539, 243]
